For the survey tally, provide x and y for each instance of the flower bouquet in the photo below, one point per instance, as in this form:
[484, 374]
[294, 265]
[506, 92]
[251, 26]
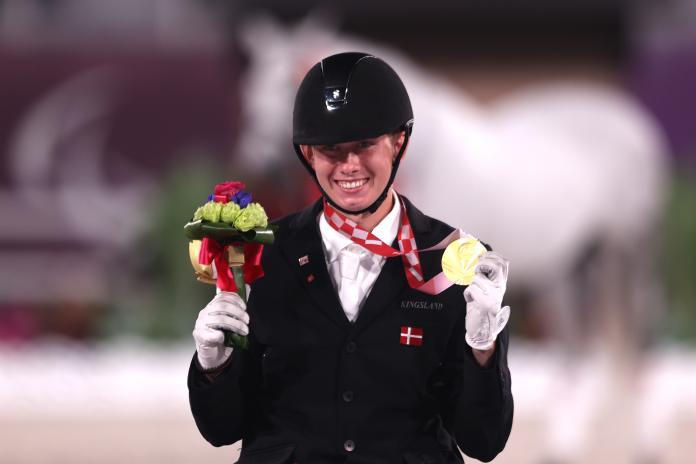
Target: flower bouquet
[227, 235]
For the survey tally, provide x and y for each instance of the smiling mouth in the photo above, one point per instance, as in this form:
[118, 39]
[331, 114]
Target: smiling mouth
[351, 184]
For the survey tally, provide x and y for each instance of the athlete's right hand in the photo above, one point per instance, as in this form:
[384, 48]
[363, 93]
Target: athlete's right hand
[226, 311]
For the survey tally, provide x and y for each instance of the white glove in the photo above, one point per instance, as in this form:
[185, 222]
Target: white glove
[484, 296]
[226, 311]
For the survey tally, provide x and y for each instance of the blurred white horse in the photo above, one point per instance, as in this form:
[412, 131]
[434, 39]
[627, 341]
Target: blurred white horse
[544, 175]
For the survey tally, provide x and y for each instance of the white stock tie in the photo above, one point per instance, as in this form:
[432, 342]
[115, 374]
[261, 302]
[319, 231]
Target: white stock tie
[350, 289]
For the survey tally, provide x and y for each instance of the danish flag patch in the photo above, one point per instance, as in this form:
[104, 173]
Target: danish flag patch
[412, 336]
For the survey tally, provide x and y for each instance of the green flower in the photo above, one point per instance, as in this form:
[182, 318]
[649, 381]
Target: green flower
[229, 212]
[198, 214]
[211, 211]
[251, 217]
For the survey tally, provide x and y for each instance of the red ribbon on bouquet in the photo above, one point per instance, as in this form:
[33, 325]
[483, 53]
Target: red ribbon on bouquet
[213, 251]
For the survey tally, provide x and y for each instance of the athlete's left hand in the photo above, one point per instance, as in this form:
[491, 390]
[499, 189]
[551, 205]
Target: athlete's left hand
[485, 317]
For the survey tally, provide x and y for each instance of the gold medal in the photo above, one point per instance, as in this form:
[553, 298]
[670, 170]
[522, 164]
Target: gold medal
[460, 258]
[204, 272]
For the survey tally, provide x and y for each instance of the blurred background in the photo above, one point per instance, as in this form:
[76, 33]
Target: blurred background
[563, 133]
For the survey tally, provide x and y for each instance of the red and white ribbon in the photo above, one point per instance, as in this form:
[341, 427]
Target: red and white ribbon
[407, 247]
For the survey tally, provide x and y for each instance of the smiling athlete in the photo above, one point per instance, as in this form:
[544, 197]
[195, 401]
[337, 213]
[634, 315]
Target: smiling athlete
[341, 368]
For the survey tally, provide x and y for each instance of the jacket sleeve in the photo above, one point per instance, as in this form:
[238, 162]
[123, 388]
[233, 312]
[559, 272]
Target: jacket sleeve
[224, 406]
[476, 402]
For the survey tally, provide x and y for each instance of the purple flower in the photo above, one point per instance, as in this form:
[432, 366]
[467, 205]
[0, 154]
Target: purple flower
[210, 197]
[242, 198]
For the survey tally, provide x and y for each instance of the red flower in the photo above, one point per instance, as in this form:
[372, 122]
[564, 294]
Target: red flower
[228, 188]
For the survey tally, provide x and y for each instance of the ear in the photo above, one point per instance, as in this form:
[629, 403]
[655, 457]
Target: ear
[308, 154]
[399, 139]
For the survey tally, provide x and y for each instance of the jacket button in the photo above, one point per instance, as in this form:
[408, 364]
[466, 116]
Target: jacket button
[351, 347]
[348, 396]
[349, 445]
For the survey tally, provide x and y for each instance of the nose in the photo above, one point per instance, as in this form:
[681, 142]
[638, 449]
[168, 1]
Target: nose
[351, 162]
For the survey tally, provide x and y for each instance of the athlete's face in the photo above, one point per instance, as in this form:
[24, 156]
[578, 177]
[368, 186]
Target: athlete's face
[354, 173]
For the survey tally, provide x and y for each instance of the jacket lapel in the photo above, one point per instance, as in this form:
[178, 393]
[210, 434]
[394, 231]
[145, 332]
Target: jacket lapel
[389, 284]
[392, 279]
[302, 248]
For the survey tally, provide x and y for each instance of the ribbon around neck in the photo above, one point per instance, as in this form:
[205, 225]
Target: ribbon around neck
[407, 248]
[213, 251]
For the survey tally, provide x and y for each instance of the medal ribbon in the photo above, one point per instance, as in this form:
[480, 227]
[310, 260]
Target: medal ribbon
[407, 247]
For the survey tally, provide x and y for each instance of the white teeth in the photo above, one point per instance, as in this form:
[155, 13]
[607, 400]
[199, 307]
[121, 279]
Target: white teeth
[352, 184]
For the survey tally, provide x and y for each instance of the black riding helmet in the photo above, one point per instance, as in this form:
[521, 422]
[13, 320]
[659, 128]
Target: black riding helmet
[346, 97]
